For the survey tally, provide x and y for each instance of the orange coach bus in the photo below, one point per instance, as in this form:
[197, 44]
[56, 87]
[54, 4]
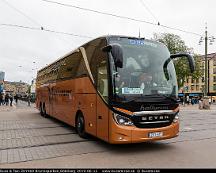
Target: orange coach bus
[117, 88]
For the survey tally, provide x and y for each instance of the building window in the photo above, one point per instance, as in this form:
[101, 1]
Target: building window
[192, 87]
[214, 78]
[192, 80]
[197, 80]
[214, 62]
[203, 79]
[197, 87]
[214, 70]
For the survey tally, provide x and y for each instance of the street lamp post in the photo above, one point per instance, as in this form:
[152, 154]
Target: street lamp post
[206, 39]
[211, 39]
[206, 63]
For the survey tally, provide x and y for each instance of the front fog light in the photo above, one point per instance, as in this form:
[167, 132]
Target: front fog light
[176, 117]
[122, 120]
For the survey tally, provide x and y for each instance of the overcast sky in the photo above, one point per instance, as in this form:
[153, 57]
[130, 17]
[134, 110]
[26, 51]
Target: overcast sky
[24, 51]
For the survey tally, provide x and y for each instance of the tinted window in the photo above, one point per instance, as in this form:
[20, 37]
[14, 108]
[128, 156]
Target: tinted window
[95, 55]
[72, 67]
[98, 64]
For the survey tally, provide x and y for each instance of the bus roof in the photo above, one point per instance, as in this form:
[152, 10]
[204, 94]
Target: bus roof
[105, 36]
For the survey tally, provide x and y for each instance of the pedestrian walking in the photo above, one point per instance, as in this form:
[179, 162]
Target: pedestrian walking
[200, 104]
[192, 101]
[7, 99]
[29, 99]
[16, 98]
[183, 102]
[11, 99]
[209, 101]
[1, 99]
[188, 100]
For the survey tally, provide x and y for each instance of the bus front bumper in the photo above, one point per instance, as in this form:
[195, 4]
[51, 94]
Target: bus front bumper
[131, 134]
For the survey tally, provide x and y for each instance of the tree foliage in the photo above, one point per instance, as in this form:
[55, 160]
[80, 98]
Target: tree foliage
[175, 45]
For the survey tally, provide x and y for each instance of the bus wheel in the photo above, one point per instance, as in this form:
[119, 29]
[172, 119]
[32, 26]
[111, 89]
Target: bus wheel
[80, 126]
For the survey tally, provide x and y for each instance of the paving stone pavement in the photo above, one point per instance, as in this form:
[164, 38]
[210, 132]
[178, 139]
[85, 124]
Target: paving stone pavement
[45, 152]
[26, 136]
[35, 137]
[20, 141]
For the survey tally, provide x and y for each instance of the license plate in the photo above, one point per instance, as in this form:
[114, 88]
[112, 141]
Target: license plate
[155, 134]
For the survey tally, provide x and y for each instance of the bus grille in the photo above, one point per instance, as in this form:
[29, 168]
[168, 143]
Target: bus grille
[153, 121]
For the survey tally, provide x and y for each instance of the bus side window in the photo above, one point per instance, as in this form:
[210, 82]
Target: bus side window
[98, 65]
[102, 83]
[72, 67]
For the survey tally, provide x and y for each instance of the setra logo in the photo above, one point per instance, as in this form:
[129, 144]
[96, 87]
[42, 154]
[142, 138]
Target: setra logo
[155, 118]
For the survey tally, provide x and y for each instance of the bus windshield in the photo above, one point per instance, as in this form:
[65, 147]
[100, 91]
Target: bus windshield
[142, 74]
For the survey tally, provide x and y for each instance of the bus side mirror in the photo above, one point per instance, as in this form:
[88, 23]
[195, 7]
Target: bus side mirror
[179, 55]
[189, 57]
[116, 52]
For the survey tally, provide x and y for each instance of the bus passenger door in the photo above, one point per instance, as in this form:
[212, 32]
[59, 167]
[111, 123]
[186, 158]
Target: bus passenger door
[102, 120]
[102, 109]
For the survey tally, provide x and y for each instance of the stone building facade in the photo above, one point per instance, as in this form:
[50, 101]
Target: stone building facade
[195, 87]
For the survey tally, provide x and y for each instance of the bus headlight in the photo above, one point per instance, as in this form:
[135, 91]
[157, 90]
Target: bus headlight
[176, 118]
[121, 120]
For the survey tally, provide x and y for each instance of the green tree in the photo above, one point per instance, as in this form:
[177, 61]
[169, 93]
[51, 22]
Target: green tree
[176, 45]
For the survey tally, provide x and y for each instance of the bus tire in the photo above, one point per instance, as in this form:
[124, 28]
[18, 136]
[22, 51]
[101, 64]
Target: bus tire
[80, 126]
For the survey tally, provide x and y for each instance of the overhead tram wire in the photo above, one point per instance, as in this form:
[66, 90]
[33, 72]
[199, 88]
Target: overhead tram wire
[152, 14]
[181, 30]
[44, 29]
[95, 11]
[99, 12]
[146, 7]
[19, 26]
[122, 17]
[23, 14]
[34, 21]
[66, 33]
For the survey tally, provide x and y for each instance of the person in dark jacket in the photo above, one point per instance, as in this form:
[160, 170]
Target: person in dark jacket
[11, 99]
[16, 98]
[6, 99]
[1, 99]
